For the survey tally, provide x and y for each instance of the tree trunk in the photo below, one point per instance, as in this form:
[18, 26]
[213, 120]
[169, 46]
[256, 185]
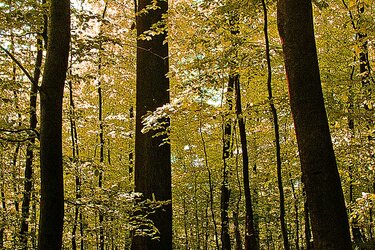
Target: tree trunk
[75, 159]
[51, 95]
[251, 236]
[101, 132]
[325, 198]
[284, 230]
[28, 184]
[307, 223]
[225, 191]
[152, 156]
[296, 220]
[3, 211]
[211, 187]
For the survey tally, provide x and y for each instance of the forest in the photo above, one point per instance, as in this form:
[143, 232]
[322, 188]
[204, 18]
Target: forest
[187, 124]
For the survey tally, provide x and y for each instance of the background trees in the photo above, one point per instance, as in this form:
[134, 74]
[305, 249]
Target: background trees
[203, 53]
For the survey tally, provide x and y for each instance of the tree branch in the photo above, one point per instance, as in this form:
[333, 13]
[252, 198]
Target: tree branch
[21, 66]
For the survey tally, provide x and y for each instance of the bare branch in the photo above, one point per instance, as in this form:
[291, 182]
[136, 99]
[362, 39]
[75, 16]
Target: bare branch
[21, 66]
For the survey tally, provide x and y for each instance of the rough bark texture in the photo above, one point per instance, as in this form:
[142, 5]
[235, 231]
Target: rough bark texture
[152, 157]
[51, 94]
[320, 175]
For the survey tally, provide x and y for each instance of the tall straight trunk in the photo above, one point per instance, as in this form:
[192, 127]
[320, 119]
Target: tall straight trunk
[4, 211]
[225, 190]
[15, 175]
[237, 229]
[325, 198]
[356, 233]
[210, 185]
[75, 158]
[152, 155]
[28, 183]
[101, 160]
[186, 224]
[196, 215]
[283, 227]
[296, 220]
[101, 133]
[251, 236]
[51, 96]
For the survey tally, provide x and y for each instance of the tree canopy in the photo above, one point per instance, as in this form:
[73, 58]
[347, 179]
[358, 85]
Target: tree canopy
[223, 93]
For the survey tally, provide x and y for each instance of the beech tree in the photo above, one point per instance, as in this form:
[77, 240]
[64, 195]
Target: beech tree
[319, 170]
[152, 152]
[51, 96]
[218, 51]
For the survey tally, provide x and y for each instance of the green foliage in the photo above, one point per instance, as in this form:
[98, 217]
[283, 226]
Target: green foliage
[208, 40]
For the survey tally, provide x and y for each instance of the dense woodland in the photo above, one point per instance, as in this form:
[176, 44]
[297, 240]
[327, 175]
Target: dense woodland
[187, 124]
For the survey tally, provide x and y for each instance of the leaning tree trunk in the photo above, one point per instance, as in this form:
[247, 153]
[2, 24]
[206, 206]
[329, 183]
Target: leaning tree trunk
[51, 97]
[320, 175]
[152, 154]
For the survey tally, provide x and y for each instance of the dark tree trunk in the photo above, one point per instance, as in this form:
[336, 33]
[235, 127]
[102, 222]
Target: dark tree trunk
[284, 230]
[225, 191]
[4, 211]
[75, 158]
[296, 220]
[322, 182]
[28, 184]
[152, 155]
[51, 94]
[251, 236]
[101, 134]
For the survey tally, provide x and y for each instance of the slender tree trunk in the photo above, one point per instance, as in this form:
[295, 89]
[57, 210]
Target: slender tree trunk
[284, 230]
[3, 211]
[211, 188]
[51, 95]
[356, 233]
[14, 176]
[75, 158]
[296, 220]
[101, 134]
[101, 152]
[152, 156]
[196, 215]
[186, 224]
[237, 230]
[322, 182]
[251, 236]
[28, 183]
[309, 245]
[225, 190]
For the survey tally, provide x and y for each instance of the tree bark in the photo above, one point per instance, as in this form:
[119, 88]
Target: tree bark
[51, 96]
[152, 154]
[28, 184]
[225, 190]
[322, 182]
[251, 236]
[283, 226]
